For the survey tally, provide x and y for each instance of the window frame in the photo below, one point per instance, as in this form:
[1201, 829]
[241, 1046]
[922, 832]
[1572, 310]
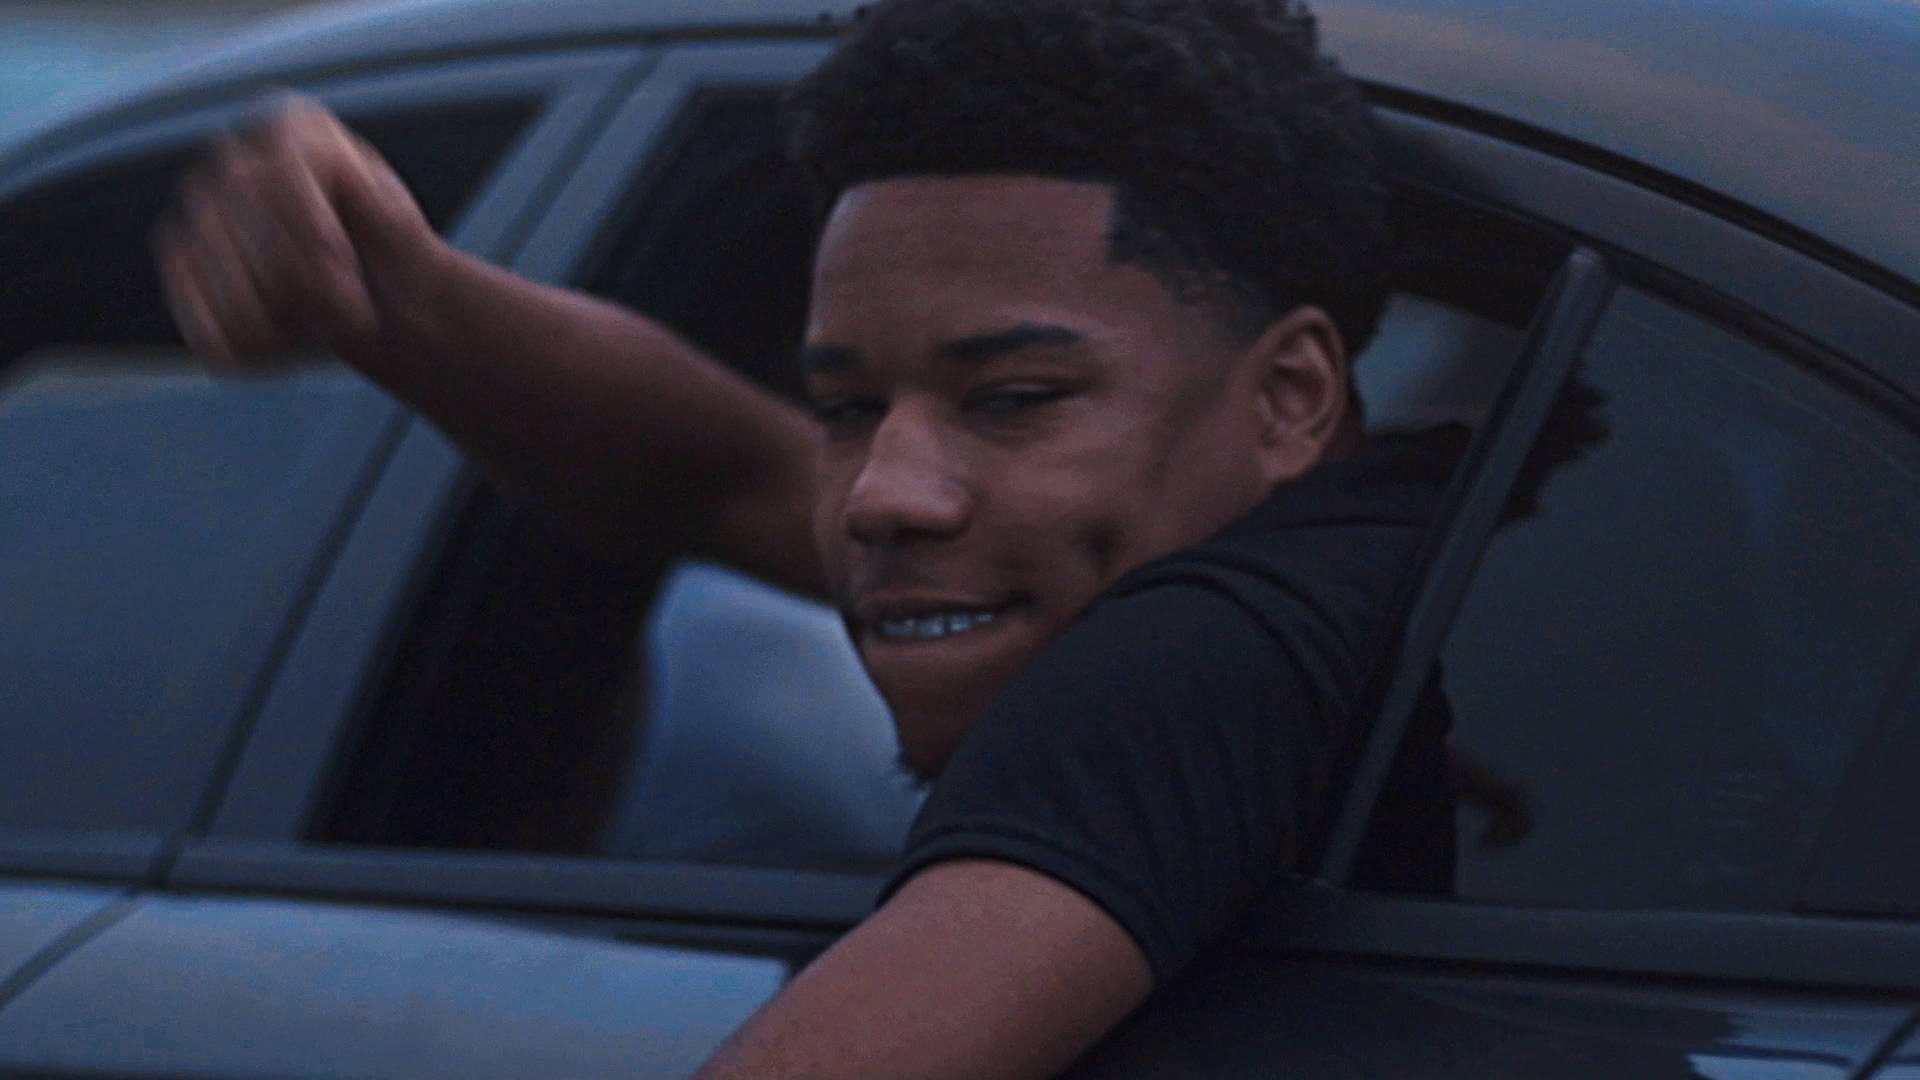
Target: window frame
[1836, 324]
[1860, 867]
[566, 90]
[257, 840]
[1839, 328]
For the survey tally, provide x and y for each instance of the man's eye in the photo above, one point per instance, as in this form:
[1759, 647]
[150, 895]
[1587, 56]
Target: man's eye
[1005, 401]
[849, 412]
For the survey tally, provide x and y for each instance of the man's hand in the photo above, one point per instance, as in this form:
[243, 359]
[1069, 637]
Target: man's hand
[295, 234]
[292, 234]
[975, 969]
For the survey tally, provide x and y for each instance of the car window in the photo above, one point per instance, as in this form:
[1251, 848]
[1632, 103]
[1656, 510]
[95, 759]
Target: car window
[1680, 637]
[688, 712]
[154, 526]
[677, 711]
[158, 527]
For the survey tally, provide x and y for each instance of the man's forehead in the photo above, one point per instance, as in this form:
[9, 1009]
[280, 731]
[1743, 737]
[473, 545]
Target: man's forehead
[918, 264]
[966, 350]
[982, 206]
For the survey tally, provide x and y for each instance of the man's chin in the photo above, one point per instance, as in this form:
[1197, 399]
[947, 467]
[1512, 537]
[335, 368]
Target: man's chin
[918, 779]
[929, 738]
[925, 758]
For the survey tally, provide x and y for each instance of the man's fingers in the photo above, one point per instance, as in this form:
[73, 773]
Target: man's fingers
[304, 152]
[223, 263]
[240, 207]
[266, 251]
[328, 271]
[186, 298]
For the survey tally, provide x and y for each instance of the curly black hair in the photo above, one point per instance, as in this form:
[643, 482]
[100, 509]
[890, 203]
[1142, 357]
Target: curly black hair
[1242, 160]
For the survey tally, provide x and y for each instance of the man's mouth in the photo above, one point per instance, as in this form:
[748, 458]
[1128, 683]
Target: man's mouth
[931, 626]
[904, 619]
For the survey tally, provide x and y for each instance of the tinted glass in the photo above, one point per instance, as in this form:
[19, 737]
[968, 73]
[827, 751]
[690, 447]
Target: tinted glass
[158, 527]
[154, 529]
[1677, 651]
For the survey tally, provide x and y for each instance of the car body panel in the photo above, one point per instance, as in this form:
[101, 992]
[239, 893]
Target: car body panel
[564, 75]
[34, 915]
[1748, 104]
[1400, 1021]
[1739, 97]
[1904, 1064]
[188, 985]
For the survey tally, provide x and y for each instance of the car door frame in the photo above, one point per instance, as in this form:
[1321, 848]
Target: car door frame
[256, 842]
[1671, 239]
[569, 88]
[1681, 243]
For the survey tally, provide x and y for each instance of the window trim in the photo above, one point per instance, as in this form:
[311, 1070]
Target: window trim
[1844, 330]
[1795, 952]
[639, 134]
[808, 903]
[305, 723]
[280, 770]
[1760, 288]
[1861, 866]
[1566, 319]
[558, 81]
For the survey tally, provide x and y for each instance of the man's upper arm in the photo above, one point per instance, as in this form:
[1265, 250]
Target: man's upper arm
[974, 968]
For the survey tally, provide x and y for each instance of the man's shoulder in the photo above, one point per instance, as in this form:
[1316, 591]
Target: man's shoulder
[1328, 556]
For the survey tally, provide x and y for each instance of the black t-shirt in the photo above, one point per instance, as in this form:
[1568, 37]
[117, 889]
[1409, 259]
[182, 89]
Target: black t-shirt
[1172, 754]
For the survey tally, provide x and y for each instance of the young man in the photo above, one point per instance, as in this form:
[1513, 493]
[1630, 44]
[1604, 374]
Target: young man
[1085, 478]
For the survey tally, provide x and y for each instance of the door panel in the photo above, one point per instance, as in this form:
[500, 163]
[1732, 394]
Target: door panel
[198, 986]
[1904, 1064]
[1322, 1019]
[34, 914]
[343, 636]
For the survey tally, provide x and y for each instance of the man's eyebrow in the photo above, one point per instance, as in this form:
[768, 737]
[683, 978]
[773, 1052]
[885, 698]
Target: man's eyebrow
[821, 358]
[981, 347]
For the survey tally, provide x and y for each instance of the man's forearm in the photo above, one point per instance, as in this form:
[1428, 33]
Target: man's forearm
[599, 415]
[975, 970]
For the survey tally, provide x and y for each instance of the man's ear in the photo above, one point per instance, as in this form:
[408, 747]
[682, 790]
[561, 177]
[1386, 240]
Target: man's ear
[1302, 393]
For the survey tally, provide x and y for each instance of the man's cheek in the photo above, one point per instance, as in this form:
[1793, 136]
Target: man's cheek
[830, 543]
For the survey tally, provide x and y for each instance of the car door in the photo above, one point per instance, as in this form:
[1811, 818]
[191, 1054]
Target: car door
[398, 878]
[165, 533]
[1675, 616]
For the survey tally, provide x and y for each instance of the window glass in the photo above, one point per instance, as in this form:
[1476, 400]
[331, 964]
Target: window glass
[154, 527]
[1677, 642]
[158, 526]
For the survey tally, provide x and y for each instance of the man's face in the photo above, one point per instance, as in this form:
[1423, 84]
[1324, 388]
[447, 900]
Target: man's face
[1011, 422]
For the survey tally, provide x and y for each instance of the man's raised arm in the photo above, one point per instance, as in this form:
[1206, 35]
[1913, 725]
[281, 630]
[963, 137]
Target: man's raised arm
[298, 235]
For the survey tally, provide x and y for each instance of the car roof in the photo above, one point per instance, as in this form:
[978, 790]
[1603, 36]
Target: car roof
[1800, 110]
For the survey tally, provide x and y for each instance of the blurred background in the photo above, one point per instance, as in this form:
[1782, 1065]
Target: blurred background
[53, 49]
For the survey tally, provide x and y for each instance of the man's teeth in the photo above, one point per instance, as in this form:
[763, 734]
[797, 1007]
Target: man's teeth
[929, 627]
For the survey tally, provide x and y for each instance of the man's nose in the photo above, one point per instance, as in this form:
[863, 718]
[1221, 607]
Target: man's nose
[908, 487]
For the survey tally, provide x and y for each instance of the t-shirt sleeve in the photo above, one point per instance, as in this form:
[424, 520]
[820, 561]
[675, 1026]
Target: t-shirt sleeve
[1163, 757]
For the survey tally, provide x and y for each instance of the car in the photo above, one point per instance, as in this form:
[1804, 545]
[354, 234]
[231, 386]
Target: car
[322, 757]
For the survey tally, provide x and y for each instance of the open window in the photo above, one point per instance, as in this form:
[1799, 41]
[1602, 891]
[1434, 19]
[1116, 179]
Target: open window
[161, 526]
[545, 699]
